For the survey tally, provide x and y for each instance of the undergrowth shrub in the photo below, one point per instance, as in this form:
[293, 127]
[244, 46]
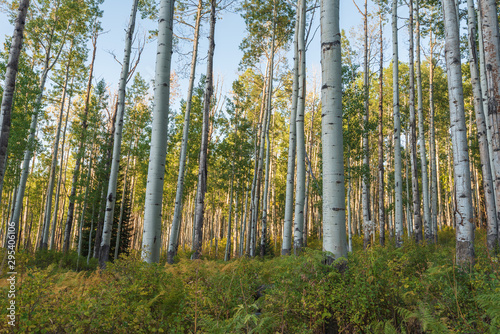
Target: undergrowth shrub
[412, 289]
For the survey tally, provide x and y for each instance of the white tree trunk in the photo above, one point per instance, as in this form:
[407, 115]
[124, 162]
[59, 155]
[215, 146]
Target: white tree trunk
[10, 86]
[176, 222]
[367, 219]
[432, 145]
[334, 231]
[398, 180]
[463, 211]
[202, 172]
[381, 183]
[417, 218]
[490, 32]
[427, 224]
[117, 142]
[292, 145]
[299, 121]
[157, 155]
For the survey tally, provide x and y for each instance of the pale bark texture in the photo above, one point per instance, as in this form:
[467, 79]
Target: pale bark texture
[202, 171]
[398, 180]
[117, 142]
[292, 146]
[263, 239]
[381, 183]
[173, 242]
[10, 86]
[151, 238]
[301, 145]
[421, 134]
[365, 197]
[334, 231]
[417, 218]
[489, 198]
[463, 211]
[491, 65]
[432, 146]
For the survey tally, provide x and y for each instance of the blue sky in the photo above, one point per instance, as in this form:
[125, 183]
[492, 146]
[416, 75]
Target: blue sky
[230, 30]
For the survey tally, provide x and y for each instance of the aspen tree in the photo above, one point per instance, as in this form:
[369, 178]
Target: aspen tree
[173, 242]
[292, 146]
[334, 231]
[10, 85]
[489, 197]
[301, 146]
[398, 180]
[151, 238]
[491, 66]
[462, 181]
[117, 142]
[202, 171]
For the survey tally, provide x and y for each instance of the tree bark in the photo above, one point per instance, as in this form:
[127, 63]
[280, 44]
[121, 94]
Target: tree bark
[423, 158]
[463, 211]
[151, 238]
[491, 65]
[10, 86]
[417, 223]
[489, 198]
[202, 171]
[174, 231]
[398, 180]
[292, 146]
[117, 142]
[334, 232]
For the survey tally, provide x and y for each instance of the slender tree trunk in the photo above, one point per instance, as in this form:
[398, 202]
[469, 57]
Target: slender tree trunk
[423, 158]
[243, 226]
[301, 146]
[463, 213]
[492, 224]
[292, 145]
[417, 224]
[381, 185]
[367, 219]
[398, 180]
[432, 144]
[82, 215]
[490, 32]
[122, 209]
[10, 86]
[151, 239]
[117, 142]
[484, 90]
[174, 232]
[227, 252]
[334, 232]
[263, 240]
[202, 172]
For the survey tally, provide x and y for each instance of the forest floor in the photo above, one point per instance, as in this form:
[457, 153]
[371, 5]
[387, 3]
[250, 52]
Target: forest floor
[413, 289]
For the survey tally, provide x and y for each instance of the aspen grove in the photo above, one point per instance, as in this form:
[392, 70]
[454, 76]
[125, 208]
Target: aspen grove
[343, 177]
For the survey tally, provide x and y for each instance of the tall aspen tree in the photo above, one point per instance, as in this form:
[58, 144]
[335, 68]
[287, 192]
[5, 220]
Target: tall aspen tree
[10, 85]
[334, 231]
[117, 142]
[151, 238]
[202, 171]
[463, 212]
[173, 242]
